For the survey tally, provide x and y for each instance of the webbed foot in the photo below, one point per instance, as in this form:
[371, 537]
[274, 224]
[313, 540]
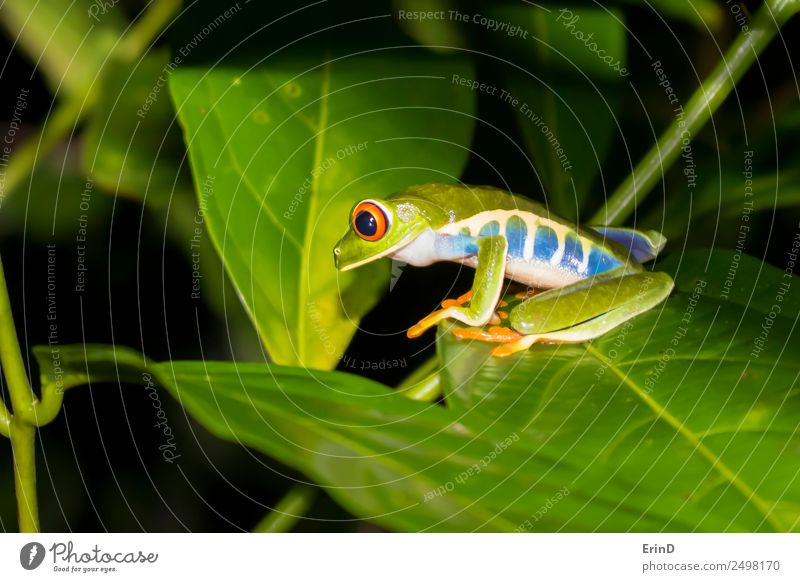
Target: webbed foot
[495, 334]
[430, 320]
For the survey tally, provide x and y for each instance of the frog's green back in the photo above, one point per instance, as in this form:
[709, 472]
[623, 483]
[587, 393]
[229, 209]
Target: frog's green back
[461, 202]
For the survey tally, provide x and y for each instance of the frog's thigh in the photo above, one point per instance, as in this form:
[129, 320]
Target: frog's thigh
[590, 307]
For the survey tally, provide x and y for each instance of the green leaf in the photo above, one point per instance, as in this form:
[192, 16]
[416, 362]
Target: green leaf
[693, 402]
[568, 96]
[736, 278]
[67, 39]
[131, 140]
[279, 156]
[406, 465]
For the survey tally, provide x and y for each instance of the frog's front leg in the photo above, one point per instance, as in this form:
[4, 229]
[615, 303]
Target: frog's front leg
[486, 288]
[586, 309]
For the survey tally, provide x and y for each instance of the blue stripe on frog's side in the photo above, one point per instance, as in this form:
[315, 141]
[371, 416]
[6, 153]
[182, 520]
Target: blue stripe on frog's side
[545, 244]
[516, 234]
[572, 260]
[455, 247]
[534, 243]
[490, 228]
[600, 262]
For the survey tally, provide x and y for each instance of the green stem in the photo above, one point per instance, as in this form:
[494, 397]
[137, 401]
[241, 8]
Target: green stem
[5, 420]
[22, 397]
[20, 427]
[147, 28]
[32, 150]
[289, 510]
[424, 383]
[708, 97]
[23, 440]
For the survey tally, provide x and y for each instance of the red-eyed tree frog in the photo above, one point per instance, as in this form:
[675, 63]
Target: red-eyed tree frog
[583, 281]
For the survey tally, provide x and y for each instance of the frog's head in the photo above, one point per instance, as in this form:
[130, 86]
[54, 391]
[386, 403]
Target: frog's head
[379, 228]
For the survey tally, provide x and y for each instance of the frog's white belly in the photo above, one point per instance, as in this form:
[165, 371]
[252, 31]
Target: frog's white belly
[539, 274]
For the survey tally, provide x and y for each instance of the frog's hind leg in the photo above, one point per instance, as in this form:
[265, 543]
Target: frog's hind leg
[586, 309]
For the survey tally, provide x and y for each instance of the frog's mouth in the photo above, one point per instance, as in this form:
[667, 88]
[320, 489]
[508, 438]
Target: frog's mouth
[347, 263]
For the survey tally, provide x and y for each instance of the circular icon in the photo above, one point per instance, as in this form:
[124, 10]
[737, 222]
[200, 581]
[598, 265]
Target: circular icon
[31, 555]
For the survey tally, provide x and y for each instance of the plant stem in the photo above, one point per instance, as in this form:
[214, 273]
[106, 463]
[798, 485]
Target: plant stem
[5, 420]
[23, 439]
[288, 511]
[147, 28]
[426, 390]
[56, 126]
[20, 427]
[19, 389]
[708, 97]
[424, 383]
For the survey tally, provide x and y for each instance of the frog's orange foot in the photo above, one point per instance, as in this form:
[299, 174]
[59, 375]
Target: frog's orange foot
[495, 334]
[461, 300]
[520, 345]
[429, 321]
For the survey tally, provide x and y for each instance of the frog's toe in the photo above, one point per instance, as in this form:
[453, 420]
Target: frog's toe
[512, 347]
[461, 300]
[429, 321]
[495, 334]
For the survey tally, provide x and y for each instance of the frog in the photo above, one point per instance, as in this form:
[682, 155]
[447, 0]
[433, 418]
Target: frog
[578, 283]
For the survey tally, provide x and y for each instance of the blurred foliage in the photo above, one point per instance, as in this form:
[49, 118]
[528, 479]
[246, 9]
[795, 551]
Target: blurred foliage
[239, 267]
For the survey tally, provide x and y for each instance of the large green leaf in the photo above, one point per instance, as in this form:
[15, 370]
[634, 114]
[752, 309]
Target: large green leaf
[695, 402]
[281, 153]
[404, 464]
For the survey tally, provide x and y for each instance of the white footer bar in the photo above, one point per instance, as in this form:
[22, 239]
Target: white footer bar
[400, 557]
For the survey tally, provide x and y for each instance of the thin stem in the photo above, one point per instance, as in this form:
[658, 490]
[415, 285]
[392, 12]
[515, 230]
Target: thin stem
[22, 397]
[20, 427]
[147, 28]
[427, 390]
[23, 439]
[32, 150]
[689, 120]
[289, 510]
[424, 383]
[5, 420]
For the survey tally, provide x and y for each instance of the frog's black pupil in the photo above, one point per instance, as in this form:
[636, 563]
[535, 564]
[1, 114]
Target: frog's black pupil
[366, 223]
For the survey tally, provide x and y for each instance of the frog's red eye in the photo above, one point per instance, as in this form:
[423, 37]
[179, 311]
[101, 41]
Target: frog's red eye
[369, 221]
